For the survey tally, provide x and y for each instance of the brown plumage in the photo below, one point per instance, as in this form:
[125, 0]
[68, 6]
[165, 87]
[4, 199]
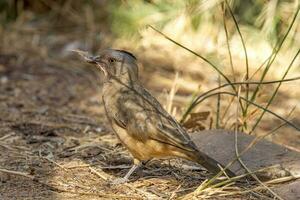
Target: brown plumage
[138, 119]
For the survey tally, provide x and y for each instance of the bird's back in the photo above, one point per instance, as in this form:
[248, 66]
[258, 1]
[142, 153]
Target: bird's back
[133, 108]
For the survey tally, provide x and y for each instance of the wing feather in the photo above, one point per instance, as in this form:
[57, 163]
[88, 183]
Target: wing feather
[143, 117]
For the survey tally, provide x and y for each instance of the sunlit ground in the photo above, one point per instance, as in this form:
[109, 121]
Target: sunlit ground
[46, 89]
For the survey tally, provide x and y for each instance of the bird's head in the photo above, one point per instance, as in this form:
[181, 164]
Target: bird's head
[116, 64]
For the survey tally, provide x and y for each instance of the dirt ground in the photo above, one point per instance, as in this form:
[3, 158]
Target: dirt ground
[56, 144]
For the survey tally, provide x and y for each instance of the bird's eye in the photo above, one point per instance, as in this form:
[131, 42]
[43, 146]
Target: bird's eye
[112, 60]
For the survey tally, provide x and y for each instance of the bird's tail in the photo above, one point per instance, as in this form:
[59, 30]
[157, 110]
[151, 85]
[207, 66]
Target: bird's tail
[209, 163]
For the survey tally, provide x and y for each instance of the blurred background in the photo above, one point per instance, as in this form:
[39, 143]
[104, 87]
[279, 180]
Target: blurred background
[45, 32]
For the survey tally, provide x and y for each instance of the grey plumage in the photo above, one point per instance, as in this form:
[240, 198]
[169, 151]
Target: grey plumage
[138, 119]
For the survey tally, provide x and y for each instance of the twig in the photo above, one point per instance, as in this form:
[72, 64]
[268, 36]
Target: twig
[6, 136]
[104, 177]
[55, 163]
[33, 178]
[17, 173]
[173, 194]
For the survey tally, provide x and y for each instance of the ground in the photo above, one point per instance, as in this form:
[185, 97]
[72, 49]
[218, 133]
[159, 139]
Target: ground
[54, 134]
[55, 142]
[53, 129]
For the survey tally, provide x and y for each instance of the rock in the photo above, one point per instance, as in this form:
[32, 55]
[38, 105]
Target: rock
[220, 145]
[290, 191]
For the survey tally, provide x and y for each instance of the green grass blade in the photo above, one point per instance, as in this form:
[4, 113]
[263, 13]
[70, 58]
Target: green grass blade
[227, 42]
[198, 55]
[250, 102]
[275, 92]
[245, 52]
[218, 106]
[274, 54]
[194, 103]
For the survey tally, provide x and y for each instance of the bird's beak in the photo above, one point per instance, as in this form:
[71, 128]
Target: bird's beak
[93, 60]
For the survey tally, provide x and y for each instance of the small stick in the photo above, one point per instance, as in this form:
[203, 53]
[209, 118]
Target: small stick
[98, 174]
[17, 173]
[64, 190]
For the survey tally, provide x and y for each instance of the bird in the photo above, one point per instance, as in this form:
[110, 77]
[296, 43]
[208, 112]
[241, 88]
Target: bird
[140, 122]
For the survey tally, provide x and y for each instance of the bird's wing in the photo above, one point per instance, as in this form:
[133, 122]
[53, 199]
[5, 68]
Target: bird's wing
[145, 117]
[120, 121]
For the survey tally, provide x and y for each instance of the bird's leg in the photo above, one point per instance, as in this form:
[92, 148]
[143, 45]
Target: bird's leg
[136, 165]
[132, 169]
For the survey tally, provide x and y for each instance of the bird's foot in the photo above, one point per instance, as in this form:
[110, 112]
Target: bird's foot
[119, 181]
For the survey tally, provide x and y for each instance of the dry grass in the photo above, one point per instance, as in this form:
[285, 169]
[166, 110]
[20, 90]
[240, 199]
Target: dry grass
[54, 140]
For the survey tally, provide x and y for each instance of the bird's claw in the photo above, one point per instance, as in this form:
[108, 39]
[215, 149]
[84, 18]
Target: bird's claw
[119, 181]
